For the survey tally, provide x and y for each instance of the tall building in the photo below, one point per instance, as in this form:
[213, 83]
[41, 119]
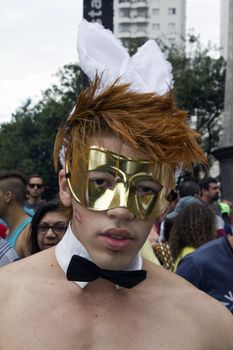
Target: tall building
[225, 153]
[228, 103]
[163, 19]
[224, 24]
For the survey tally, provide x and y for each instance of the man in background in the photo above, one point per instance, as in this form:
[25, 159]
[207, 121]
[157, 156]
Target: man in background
[189, 188]
[12, 196]
[188, 193]
[209, 195]
[210, 191]
[35, 188]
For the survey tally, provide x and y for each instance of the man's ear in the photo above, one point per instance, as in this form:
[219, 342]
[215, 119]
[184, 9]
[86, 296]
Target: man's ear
[65, 194]
[8, 196]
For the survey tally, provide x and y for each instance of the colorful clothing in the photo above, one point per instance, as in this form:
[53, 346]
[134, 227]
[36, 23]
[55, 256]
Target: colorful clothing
[31, 208]
[163, 253]
[12, 238]
[7, 253]
[148, 253]
[210, 268]
[185, 251]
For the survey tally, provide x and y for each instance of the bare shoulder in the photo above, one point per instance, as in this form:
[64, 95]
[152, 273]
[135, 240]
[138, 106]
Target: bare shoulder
[38, 261]
[211, 319]
[28, 289]
[17, 277]
[214, 319]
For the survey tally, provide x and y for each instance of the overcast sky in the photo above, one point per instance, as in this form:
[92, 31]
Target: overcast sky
[37, 37]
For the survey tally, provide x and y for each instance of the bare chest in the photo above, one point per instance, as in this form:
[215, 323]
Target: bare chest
[120, 321]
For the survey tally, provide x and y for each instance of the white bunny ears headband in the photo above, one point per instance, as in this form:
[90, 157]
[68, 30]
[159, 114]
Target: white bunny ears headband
[102, 53]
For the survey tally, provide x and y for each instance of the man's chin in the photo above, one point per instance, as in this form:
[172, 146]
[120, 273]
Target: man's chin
[114, 263]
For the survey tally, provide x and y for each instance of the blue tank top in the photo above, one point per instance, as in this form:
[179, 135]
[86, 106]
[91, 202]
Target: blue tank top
[12, 238]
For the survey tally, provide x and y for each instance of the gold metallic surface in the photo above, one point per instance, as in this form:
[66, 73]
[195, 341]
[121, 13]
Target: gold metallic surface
[111, 180]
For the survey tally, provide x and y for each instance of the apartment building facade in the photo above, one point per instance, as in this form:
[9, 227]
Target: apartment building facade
[224, 28]
[163, 19]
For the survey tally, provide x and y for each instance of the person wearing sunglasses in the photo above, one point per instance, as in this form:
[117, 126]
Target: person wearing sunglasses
[48, 226]
[119, 150]
[35, 188]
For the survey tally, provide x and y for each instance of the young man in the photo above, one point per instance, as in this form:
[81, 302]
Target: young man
[12, 196]
[35, 188]
[120, 149]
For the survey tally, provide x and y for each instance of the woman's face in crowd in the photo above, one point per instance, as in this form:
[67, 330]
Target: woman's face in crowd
[51, 229]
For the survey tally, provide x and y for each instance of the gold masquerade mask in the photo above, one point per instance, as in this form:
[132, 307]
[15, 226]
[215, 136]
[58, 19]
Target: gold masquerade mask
[108, 180]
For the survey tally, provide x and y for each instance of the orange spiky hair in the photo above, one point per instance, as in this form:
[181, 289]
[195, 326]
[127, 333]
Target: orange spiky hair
[146, 121]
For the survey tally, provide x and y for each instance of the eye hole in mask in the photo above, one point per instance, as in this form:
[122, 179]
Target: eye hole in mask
[108, 180]
[114, 181]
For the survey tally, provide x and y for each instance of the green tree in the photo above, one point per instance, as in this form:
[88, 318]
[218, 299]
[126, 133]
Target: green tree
[200, 83]
[26, 143]
[199, 86]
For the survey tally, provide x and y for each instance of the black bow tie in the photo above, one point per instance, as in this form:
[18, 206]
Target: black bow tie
[83, 270]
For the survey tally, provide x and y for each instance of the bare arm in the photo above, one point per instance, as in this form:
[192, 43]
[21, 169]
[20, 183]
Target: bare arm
[23, 243]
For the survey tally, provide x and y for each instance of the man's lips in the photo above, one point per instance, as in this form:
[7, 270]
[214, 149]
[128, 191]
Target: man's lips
[116, 238]
[117, 233]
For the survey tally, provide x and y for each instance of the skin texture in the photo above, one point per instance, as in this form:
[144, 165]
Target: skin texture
[163, 312]
[49, 239]
[48, 312]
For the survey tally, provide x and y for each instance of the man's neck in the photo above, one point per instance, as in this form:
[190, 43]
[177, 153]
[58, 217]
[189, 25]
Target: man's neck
[34, 200]
[14, 217]
[70, 245]
[206, 200]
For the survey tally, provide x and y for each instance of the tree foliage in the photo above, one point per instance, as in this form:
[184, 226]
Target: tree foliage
[200, 85]
[26, 143]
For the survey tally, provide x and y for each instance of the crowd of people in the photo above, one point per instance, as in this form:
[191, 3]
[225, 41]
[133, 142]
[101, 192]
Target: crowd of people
[108, 259]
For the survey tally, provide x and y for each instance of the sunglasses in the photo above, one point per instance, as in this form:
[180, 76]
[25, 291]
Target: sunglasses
[58, 228]
[35, 185]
